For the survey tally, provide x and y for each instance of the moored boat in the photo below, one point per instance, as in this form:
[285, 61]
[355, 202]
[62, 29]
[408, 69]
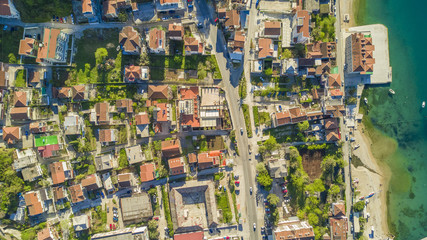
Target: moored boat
[391, 91]
[423, 105]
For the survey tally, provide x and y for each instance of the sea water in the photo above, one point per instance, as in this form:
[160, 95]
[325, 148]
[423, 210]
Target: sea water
[400, 116]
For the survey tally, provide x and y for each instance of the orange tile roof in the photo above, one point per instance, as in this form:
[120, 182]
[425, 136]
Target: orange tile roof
[232, 18]
[26, 46]
[283, 117]
[109, 7]
[44, 234]
[129, 39]
[34, 76]
[126, 104]
[133, 72]
[76, 193]
[334, 80]
[64, 92]
[5, 8]
[147, 172]
[11, 134]
[272, 28]
[189, 93]
[192, 158]
[191, 44]
[339, 228]
[168, 1]
[332, 135]
[331, 123]
[48, 48]
[102, 111]
[338, 209]
[162, 113]
[171, 148]
[176, 166]
[176, 30]
[190, 120]
[87, 6]
[79, 92]
[158, 92]
[90, 182]
[105, 135]
[336, 92]
[35, 207]
[19, 113]
[297, 114]
[20, 99]
[156, 39]
[294, 230]
[57, 172]
[305, 28]
[362, 53]
[265, 47]
[189, 236]
[142, 119]
[58, 193]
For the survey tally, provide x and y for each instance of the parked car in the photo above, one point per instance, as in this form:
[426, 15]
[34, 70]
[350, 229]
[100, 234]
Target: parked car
[254, 226]
[111, 226]
[200, 25]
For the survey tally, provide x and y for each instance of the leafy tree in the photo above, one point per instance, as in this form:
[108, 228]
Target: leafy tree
[359, 206]
[316, 186]
[303, 126]
[273, 199]
[334, 191]
[100, 55]
[12, 58]
[268, 71]
[123, 17]
[286, 53]
[265, 180]
[260, 167]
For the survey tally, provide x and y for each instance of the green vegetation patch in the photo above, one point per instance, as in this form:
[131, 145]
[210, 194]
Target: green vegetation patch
[20, 79]
[42, 10]
[246, 115]
[224, 205]
[325, 28]
[46, 140]
[165, 198]
[9, 44]
[242, 88]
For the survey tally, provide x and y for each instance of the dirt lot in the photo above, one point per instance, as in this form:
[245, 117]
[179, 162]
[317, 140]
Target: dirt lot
[215, 143]
[311, 161]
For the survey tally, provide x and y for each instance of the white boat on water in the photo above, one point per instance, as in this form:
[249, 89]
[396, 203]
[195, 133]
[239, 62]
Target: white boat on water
[391, 91]
[366, 100]
[423, 105]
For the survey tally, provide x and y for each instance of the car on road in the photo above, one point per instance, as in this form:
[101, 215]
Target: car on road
[356, 147]
[111, 226]
[190, 6]
[236, 176]
[250, 190]
[250, 149]
[254, 226]
[216, 20]
[200, 25]
[241, 131]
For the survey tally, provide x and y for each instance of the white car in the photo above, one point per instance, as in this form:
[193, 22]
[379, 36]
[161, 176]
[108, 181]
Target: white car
[254, 226]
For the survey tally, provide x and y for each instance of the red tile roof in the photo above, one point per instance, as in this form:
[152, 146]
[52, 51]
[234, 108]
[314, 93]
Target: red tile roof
[190, 120]
[34, 76]
[147, 172]
[336, 92]
[156, 39]
[87, 6]
[158, 92]
[126, 104]
[331, 123]
[171, 148]
[78, 92]
[338, 209]
[63, 92]
[334, 80]
[305, 27]
[175, 30]
[189, 236]
[58, 193]
[142, 119]
[283, 117]
[265, 46]
[105, 135]
[192, 158]
[5, 8]
[19, 113]
[176, 166]
[362, 53]
[297, 115]
[90, 182]
[162, 114]
[20, 99]
[232, 18]
[102, 111]
[35, 207]
[76, 193]
[129, 39]
[44, 234]
[191, 44]
[189, 93]
[26, 46]
[11, 134]
[133, 72]
[57, 172]
[339, 228]
[206, 160]
[272, 28]
[47, 151]
[332, 135]
[48, 49]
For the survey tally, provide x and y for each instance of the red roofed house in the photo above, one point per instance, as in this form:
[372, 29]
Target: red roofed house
[34, 203]
[335, 93]
[20, 99]
[147, 172]
[232, 20]
[124, 105]
[142, 122]
[188, 106]
[293, 230]
[265, 48]
[11, 135]
[361, 58]
[27, 47]
[323, 50]
[79, 92]
[46, 234]
[297, 115]
[300, 26]
[130, 40]
[49, 150]
[102, 114]
[20, 113]
[338, 222]
[208, 159]
[272, 29]
[136, 73]
[92, 182]
[61, 172]
[331, 129]
[164, 6]
[281, 118]
[171, 148]
[156, 40]
[110, 7]
[159, 92]
[334, 81]
[175, 31]
[107, 136]
[59, 193]
[176, 166]
[192, 46]
[64, 92]
[189, 236]
[88, 11]
[162, 115]
[5, 8]
[76, 193]
[236, 46]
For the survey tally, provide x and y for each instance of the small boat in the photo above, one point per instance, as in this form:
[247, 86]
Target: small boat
[391, 91]
[366, 100]
[423, 105]
[370, 195]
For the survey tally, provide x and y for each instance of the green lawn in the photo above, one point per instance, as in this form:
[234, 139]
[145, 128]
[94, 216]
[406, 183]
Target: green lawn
[245, 108]
[42, 10]
[224, 205]
[9, 44]
[20, 79]
[47, 140]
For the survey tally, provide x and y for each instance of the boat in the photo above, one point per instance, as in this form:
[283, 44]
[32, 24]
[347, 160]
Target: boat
[391, 91]
[366, 100]
[370, 195]
[423, 105]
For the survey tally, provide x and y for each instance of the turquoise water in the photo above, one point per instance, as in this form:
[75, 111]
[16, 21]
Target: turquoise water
[401, 116]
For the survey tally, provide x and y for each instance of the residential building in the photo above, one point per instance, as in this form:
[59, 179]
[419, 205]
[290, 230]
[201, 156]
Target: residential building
[134, 233]
[52, 49]
[293, 229]
[323, 50]
[108, 184]
[142, 122]
[34, 203]
[188, 107]
[159, 92]
[101, 116]
[297, 115]
[48, 151]
[46, 234]
[104, 162]
[338, 222]
[300, 26]
[124, 105]
[130, 40]
[79, 92]
[4, 76]
[76, 194]
[232, 20]
[88, 10]
[125, 180]
[107, 136]
[176, 166]
[157, 40]
[110, 7]
[39, 127]
[61, 172]
[278, 168]
[59, 193]
[196, 235]
[31, 173]
[192, 160]
[171, 148]
[135, 154]
[211, 107]
[265, 48]
[208, 159]
[290, 67]
[62, 93]
[20, 114]
[164, 6]
[334, 81]
[236, 46]
[73, 125]
[192, 46]
[335, 111]
[136, 209]
[162, 113]
[332, 132]
[81, 223]
[92, 182]
[176, 31]
[136, 73]
[361, 57]
[281, 118]
[24, 158]
[20, 99]
[147, 172]
[11, 135]
[272, 29]
[34, 77]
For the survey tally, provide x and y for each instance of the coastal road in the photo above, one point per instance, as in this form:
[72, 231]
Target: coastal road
[230, 81]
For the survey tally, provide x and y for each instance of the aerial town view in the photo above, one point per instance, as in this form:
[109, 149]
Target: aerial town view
[212, 119]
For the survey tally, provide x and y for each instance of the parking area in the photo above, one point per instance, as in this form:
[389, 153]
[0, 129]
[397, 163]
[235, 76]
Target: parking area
[114, 218]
